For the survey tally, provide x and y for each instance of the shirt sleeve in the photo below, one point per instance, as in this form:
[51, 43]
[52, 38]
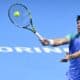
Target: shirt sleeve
[70, 36]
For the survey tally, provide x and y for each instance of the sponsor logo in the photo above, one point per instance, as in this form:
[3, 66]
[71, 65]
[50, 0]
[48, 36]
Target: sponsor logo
[30, 50]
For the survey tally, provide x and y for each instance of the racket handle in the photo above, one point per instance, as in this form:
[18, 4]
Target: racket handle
[39, 36]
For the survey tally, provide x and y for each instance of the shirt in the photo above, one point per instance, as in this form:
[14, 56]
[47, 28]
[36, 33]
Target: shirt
[74, 46]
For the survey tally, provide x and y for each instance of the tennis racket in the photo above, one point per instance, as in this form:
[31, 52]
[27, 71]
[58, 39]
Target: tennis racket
[20, 16]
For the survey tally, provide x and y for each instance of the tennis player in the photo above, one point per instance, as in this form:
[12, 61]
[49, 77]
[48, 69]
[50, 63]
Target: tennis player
[74, 51]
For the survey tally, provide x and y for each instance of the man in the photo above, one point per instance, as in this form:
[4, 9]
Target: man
[74, 51]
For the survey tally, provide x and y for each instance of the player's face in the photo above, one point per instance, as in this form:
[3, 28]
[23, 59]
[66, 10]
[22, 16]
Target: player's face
[78, 25]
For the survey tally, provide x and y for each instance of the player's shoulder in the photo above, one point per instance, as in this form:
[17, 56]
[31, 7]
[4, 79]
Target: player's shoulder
[70, 36]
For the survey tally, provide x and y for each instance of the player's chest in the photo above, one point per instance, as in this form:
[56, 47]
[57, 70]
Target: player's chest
[76, 41]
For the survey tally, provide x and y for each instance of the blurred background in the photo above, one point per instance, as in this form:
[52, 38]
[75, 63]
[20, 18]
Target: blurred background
[53, 19]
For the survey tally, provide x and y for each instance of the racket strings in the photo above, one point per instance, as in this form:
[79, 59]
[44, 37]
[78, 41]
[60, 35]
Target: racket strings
[22, 19]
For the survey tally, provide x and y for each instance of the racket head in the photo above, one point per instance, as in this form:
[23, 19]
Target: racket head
[20, 15]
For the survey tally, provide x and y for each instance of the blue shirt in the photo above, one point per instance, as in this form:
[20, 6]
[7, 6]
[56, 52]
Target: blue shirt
[74, 46]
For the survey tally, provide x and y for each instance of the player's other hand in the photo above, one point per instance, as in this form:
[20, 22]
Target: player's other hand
[44, 42]
[66, 58]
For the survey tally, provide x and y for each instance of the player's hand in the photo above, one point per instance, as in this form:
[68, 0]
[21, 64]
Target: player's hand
[66, 59]
[44, 42]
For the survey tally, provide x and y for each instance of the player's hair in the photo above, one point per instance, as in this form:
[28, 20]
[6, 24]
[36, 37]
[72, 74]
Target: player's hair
[78, 18]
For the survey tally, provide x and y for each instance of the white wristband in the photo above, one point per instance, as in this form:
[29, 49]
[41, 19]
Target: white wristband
[51, 42]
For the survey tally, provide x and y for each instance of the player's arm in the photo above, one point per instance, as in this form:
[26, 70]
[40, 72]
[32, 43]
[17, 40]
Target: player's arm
[59, 41]
[74, 55]
[71, 56]
[55, 42]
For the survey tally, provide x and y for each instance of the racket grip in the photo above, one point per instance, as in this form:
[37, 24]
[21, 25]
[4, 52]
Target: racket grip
[39, 36]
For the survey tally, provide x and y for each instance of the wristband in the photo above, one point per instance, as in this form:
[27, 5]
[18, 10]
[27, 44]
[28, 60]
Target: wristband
[51, 42]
